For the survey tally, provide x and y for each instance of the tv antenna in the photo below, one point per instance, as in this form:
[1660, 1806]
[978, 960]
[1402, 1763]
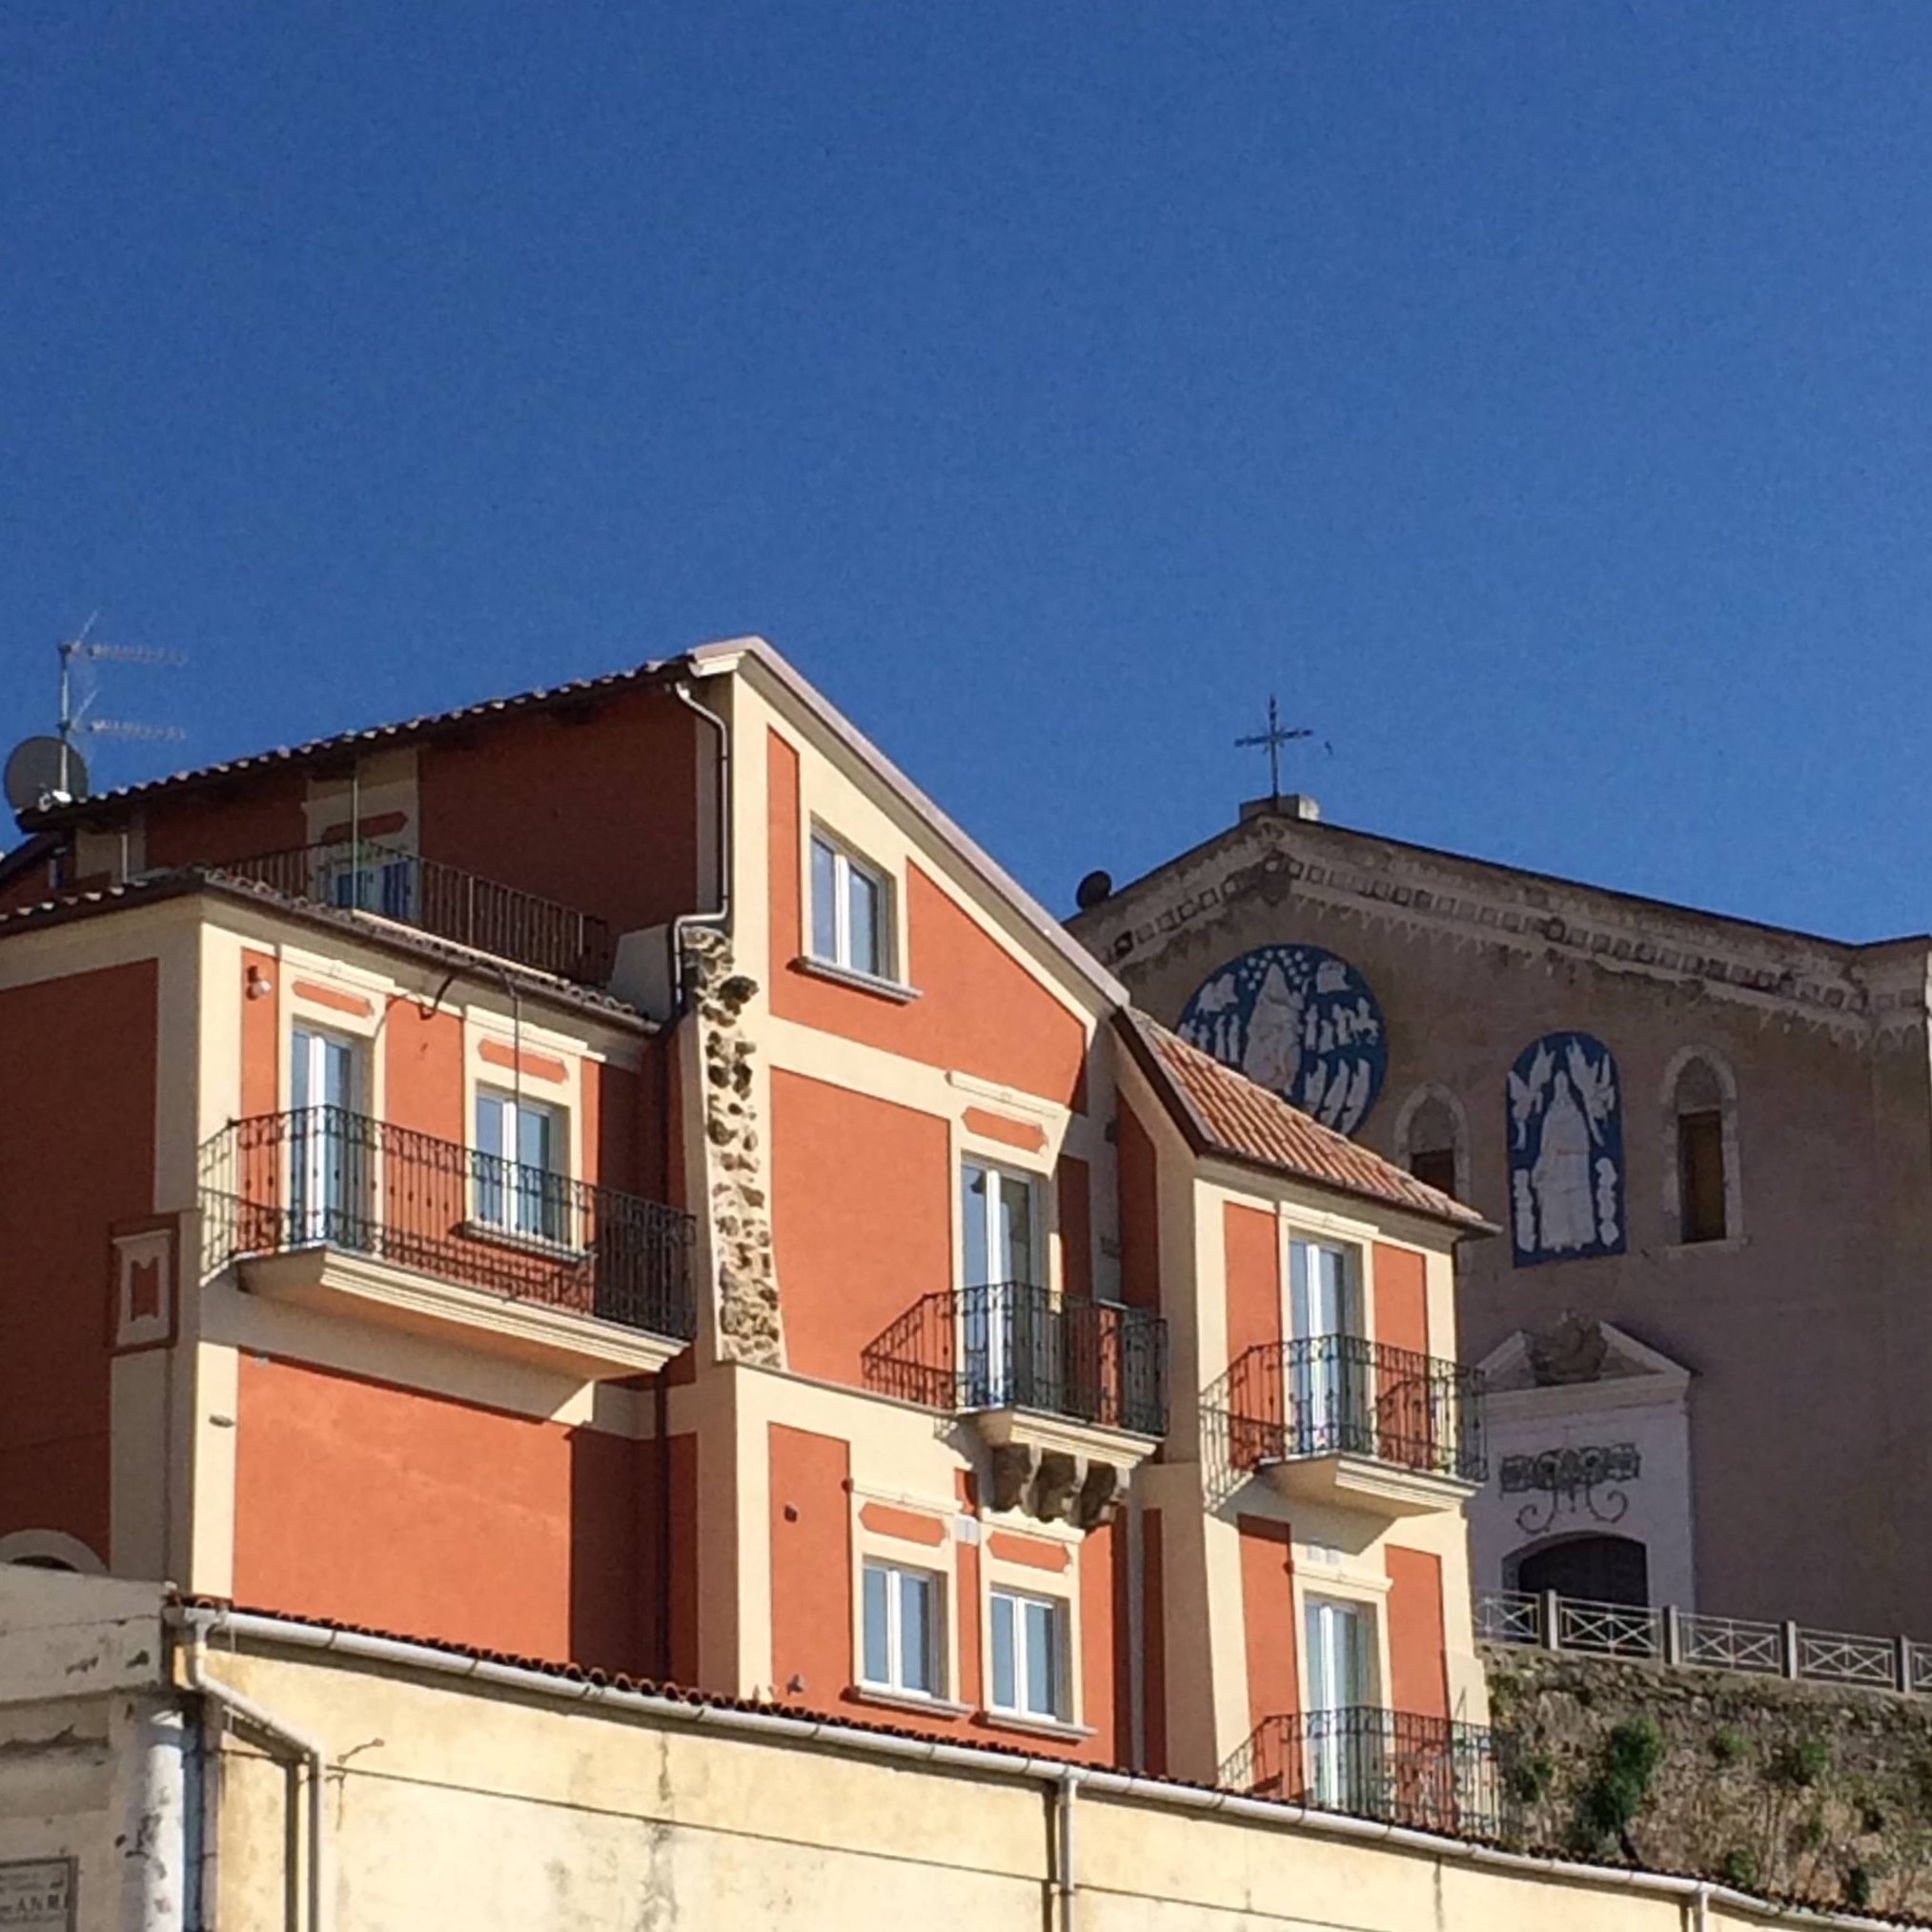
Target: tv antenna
[77, 703]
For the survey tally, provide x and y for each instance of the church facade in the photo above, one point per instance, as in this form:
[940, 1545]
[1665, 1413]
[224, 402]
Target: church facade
[1707, 1334]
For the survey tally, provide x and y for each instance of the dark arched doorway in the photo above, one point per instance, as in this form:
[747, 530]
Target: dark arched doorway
[1597, 1569]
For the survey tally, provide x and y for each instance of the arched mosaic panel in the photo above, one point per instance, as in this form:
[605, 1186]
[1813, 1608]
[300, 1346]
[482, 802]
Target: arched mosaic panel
[1566, 1151]
[1300, 1021]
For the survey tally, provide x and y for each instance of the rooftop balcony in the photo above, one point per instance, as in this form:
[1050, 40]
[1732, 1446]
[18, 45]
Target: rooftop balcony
[438, 899]
[1344, 1420]
[1068, 1393]
[1428, 1774]
[332, 1210]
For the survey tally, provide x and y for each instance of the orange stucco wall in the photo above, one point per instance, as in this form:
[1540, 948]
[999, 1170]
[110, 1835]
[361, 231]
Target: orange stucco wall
[258, 814]
[1102, 1637]
[595, 811]
[1416, 1640]
[411, 1513]
[76, 1155]
[1140, 1214]
[811, 1566]
[1252, 1240]
[1401, 1299]
[1076, 1229]
[978, 1010]
[260, 1036]
[424, 1064]
[862, 1218]
[1267, 1619]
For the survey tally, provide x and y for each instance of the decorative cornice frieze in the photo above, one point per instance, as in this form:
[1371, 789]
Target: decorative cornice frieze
[1868, 992]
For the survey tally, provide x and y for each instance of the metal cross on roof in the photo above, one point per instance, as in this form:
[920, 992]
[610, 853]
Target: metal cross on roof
[1274, 739]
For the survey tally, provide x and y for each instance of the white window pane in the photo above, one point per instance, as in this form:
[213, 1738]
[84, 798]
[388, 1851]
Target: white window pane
[1004, 1674]
[535, 1139]
[975, 1193]
[824, 901]
[878, 1662]
[915, 1644]
[864, 949]
[489, 1124]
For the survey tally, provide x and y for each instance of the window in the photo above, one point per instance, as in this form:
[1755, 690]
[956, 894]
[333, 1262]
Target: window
[1330, 1410]
[518, 1162]
[1007, 1337]
[330, 1143]
[1030, 1656]
[370, 879]
[1700, 1109]
[902, 1630]
[850, 905]
[1429, 1138]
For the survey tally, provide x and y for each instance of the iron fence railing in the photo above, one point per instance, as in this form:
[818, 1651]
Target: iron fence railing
[1347, 1396]
[322, 1176]
[1662, 1634]
[443, 900]
[1012, 1344]
[1430, 1774]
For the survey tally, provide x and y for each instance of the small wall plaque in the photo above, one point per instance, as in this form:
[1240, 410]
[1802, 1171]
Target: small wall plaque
[37, 1895]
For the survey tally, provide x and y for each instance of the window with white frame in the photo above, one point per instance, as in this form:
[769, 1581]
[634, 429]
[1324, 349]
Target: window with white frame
[902, 1630]
[1030, 1674]
[851, 910]
[519, 1166]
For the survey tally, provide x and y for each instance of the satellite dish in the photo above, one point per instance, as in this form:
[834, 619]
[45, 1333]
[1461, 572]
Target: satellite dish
[43, 769]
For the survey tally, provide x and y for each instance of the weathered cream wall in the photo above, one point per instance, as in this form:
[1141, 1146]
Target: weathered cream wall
[461, 1806]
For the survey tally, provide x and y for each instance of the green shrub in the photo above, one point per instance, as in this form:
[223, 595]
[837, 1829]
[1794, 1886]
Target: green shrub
[1800, 1761]
[1531, 1777]
[1727, 1745]
[1625, 1768]
[1858, 1887]
[1738, 1867]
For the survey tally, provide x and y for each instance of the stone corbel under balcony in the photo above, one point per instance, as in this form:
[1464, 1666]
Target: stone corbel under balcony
[366, 1288]
[1360, 1482]
[1059, 1469]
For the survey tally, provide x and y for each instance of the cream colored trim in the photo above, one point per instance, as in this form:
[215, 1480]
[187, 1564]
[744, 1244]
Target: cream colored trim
[1061, 1587]
[938, 1560]
[1458, 1116]
[336, 1281]
[1365, 1593]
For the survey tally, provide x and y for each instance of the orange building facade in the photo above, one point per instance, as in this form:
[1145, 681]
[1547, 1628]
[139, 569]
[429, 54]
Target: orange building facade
[617, 1176]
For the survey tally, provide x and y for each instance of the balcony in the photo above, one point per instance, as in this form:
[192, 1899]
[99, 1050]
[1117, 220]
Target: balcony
[438, 899]
[331, 1210]
[1398, 1767]
[1344, 1420]
[1067, 1394]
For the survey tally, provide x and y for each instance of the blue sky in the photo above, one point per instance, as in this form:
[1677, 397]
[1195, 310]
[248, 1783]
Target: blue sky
[1535, 395]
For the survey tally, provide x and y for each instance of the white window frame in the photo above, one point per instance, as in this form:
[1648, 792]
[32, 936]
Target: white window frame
[846, 861]
[933, 1582]
[1061, 1613]
[513, 1104]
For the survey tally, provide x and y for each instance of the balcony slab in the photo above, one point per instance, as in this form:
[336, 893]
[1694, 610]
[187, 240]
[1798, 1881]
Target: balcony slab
[368, 1289]
[1361, 1482]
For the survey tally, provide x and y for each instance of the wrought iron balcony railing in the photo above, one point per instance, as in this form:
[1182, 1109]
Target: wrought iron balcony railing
[1014, 1346]
[440, 899]
[1346, 1395]
[1430, 1774]
[321, 1176]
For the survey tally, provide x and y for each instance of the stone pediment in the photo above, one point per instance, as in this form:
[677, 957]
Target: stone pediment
[1578, 1361]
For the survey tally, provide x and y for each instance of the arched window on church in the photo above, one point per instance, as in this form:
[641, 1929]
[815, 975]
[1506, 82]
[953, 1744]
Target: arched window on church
[1701, 1156]
[1431, 1140]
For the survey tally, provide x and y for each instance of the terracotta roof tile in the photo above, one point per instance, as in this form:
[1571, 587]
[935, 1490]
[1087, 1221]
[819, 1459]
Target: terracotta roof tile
[1229, 1114]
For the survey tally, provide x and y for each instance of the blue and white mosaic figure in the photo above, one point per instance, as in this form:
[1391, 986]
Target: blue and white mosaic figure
[1566, 1151]
[1299, 1020]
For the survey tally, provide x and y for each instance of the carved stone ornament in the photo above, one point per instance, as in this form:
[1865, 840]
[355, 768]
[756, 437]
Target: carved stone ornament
[1055, 1486]
[750, 1328]
[1573, 1349]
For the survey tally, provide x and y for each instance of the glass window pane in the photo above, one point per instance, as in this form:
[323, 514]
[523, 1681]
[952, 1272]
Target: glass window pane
[877, 1668]
[535, 1139]
[1003, 1653]
[824, 901]
[1043, 1696]
[1016, 1230]
[975, 1191]
[863, 923]
[915, 1631]
[489, 1124]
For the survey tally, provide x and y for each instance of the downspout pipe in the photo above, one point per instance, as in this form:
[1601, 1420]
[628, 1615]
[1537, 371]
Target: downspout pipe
[273, 1632]
[309, 1751]
[1068, 1790]
[719, 917]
